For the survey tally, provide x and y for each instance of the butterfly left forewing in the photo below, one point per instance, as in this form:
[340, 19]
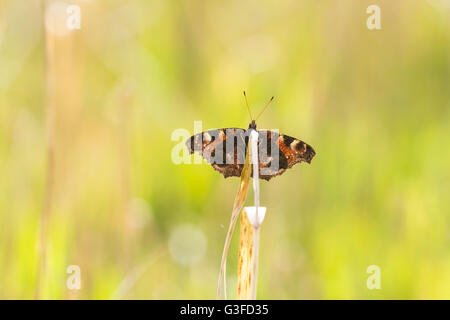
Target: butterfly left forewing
[224, 149]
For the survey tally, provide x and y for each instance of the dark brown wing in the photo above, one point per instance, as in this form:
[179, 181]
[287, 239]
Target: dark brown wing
[225, 150]
[278, 152]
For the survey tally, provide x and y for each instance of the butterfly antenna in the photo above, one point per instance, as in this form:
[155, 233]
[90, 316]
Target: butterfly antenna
[248, 107]
[264, 109]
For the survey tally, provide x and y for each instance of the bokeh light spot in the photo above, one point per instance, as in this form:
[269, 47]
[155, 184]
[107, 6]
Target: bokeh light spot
[187, 244]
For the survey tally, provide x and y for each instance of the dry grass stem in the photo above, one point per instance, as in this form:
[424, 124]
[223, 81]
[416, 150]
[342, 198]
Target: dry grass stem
[245, 262]
[237, 207]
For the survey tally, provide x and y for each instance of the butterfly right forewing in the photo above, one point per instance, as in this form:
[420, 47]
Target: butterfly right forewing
[278, 152]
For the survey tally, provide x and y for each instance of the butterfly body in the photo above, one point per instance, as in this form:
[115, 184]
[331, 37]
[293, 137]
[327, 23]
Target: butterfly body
[225, 150]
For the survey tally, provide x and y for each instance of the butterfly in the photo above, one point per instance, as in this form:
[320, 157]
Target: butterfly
[225, 149]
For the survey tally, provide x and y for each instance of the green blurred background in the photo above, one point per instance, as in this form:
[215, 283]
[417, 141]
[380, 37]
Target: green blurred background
[86, 118]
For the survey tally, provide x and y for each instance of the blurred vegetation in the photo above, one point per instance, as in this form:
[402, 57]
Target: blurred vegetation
[374, 105]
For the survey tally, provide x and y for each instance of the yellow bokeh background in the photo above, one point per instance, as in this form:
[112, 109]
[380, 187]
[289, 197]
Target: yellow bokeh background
[86, 123]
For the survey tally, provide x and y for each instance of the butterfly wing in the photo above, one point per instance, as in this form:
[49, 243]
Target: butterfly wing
[225, 150]
[278, 152]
